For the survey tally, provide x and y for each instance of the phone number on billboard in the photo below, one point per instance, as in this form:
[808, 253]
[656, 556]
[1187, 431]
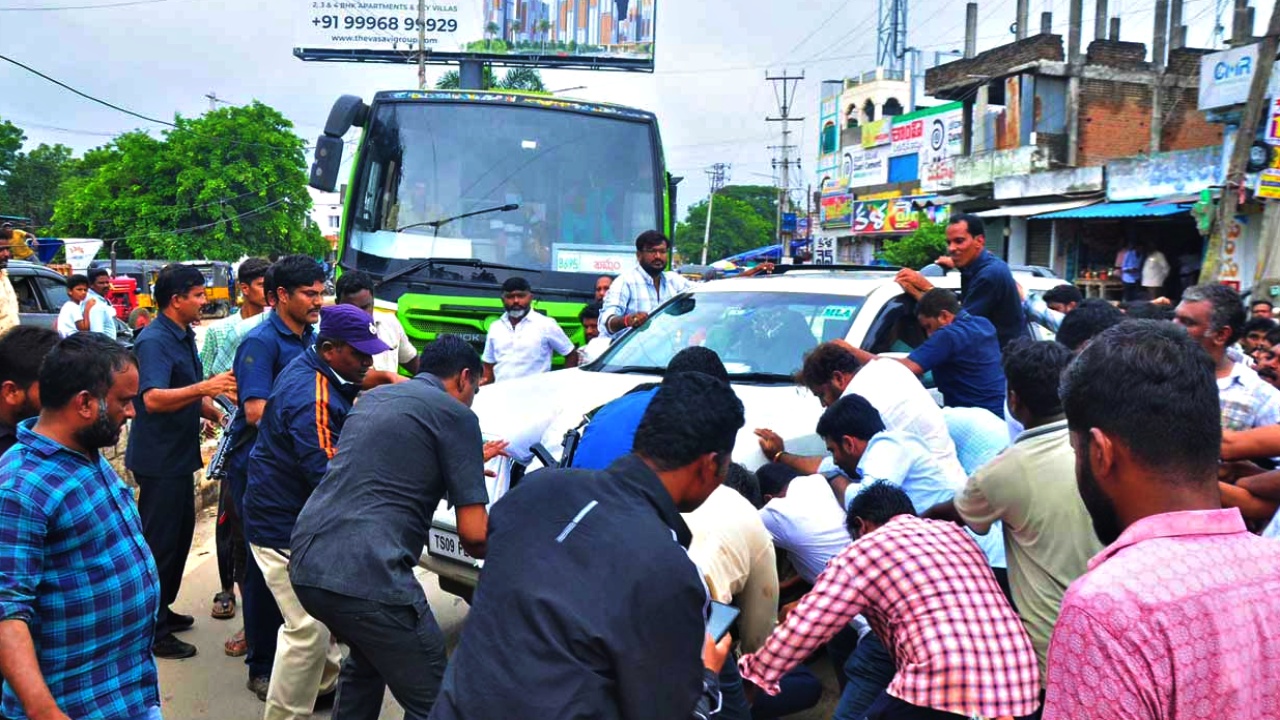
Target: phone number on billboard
[371, 22]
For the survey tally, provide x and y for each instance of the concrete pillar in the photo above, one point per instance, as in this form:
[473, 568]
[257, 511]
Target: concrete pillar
[1239, 21]
[1115, 29]
[1024, 18]
[1046, 23]
[1017, 250]
[1100, 20]
[1075, 23]
[1176, 30]
[1160, 35]
[970, 29]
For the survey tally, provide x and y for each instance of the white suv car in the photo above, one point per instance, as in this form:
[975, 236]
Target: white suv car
[760, 326]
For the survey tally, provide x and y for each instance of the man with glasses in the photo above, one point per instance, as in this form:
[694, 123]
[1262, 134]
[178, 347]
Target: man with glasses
[636, 292]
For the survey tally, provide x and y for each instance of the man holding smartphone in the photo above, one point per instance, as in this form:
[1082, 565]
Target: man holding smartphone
[588, 589]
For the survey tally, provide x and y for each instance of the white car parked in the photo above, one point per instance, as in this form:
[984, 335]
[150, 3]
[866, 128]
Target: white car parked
[760, 326]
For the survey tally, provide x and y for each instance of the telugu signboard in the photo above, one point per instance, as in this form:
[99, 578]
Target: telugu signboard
[836, 206]
[824, 251]
[550, 33]
[863, 167]
[1272, 132]
[1269, 184]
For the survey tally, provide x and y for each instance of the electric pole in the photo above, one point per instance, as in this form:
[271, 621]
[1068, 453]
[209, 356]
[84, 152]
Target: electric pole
[717, 176]
[1233, 189]
[422, 44]
[784, 89]
[213, 99]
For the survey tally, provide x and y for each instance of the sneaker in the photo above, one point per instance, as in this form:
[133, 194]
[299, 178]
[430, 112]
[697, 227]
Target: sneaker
[258, 686]
[171, 648]
[179, 622]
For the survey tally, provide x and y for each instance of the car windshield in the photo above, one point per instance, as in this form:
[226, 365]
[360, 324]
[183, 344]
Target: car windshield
[759, 336]
[545, 189]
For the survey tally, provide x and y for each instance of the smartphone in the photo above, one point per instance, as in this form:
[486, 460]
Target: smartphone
[722, 617]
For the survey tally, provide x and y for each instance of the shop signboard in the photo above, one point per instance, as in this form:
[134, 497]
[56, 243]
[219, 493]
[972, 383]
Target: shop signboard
[1160, 174]
[1269, 184]
[828, 165]
[876, 133]
[864, 167]
[1272, 132]
[836, 206]
[612, 34]
[824, 251]
[873, 217]
[1225, 77]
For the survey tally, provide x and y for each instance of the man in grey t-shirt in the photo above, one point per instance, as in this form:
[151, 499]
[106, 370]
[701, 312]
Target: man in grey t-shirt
[404, 447]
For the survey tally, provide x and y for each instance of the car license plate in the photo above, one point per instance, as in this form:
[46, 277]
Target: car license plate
[447, 544]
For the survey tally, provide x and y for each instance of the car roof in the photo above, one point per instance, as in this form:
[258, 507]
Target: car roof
[24, 267]
[824, 282]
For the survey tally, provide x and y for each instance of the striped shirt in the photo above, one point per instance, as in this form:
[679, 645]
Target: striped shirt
[74, 566]
[926, 589]
[633, 291]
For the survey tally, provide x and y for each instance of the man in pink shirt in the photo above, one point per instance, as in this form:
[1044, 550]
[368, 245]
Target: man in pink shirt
[1175, 618]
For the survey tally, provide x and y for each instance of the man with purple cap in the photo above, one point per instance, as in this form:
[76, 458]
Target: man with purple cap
[297, 437]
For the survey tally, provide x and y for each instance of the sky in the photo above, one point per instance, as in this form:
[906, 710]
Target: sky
[160, 57]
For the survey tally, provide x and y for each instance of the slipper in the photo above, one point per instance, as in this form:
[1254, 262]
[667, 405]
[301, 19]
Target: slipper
[236, 645]
[224, 606]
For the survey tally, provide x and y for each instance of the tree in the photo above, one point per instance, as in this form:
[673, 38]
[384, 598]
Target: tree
[735, 227]
[521, 79]
[32, 185]
[762, 198]
[918, 249]
[544, 27]
[229, 183]
[11, 139]
[491, 31]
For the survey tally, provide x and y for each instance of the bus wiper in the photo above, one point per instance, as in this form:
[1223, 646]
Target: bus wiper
[437, 224]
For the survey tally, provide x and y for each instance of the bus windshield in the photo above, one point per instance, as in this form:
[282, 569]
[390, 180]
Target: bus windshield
[585, 186]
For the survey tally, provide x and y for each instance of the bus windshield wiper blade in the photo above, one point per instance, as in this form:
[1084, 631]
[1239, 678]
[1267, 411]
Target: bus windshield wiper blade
[437, 224]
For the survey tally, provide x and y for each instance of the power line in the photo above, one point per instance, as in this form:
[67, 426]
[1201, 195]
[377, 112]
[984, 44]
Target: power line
[56, 8]
[85, 95]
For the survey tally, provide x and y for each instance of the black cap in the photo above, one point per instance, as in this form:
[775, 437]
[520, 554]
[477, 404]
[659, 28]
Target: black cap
[516, 284]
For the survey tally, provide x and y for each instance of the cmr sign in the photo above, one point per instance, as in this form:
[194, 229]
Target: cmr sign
[1225, 77]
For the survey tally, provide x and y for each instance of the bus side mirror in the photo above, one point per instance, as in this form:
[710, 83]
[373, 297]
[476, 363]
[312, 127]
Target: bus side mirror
[324, 171]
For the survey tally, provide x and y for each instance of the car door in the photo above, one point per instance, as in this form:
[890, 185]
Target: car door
[33, 306]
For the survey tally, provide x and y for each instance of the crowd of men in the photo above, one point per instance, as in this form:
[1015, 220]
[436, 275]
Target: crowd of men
[1072, 533]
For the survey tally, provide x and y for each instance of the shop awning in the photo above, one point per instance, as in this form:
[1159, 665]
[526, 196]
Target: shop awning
[1110, 210]
[1036, 209]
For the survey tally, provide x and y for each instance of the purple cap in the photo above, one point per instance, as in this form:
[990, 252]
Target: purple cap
[352, 326]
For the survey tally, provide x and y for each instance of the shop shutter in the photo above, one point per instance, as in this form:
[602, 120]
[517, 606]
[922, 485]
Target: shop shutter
[1040, 243]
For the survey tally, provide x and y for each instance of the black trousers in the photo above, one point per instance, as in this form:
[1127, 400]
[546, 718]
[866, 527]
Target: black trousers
[392, 646]
[167, 505]
[229, 539]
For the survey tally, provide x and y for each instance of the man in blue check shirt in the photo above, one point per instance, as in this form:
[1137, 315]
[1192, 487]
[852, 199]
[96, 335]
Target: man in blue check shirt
[638, 291]
[79, 591]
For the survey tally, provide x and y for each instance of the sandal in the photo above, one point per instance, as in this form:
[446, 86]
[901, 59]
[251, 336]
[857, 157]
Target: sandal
[224, 606]
[236, 645]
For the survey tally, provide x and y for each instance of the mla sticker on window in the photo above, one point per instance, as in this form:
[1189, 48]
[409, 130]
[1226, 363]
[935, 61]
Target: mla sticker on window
[837, 312]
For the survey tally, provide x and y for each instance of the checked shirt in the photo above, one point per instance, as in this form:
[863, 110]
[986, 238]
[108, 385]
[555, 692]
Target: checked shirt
[75, 568]
[925, 588]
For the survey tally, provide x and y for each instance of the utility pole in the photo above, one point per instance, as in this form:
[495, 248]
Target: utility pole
[717, 176]
[422, 45]
[213, 99]
[1233, 189]
[784, 88]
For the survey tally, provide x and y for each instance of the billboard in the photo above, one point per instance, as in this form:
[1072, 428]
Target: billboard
[1225, 77]
[897, 216]
[615, 34]
[836, 207]
[864, 167]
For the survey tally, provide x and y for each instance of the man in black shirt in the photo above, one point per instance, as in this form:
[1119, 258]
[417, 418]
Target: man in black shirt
[22, 349]
[404, 447]
[588, 605]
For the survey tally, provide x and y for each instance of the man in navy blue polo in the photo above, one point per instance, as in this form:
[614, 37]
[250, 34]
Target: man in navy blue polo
[164, 443]
[262, 355]
[962, 352]
[987, 287]
[297, 437]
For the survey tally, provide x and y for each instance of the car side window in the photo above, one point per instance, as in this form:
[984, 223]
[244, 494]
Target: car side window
[54, 291]
[895, 328]
[29, 300]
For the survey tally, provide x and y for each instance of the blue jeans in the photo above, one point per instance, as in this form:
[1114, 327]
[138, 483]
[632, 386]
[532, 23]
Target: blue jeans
[867, 673]
[800, 690]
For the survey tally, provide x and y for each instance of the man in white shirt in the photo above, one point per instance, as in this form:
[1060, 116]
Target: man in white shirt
[831, 371]
[74, 316]
[356, 288]
[638, 291]
[803, 517]
[520, 343]
[1155, 270]
[102, 315]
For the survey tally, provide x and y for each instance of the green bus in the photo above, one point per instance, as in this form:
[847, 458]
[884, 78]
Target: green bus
[454, 191]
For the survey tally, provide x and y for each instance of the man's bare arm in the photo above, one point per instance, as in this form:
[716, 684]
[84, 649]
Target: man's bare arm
[21, 671]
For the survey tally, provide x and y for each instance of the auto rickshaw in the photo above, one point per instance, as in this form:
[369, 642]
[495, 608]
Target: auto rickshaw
[124, 296]
[143, 273]
[219, 287]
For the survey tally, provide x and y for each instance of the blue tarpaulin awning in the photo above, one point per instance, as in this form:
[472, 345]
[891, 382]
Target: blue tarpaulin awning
[764, 253]
[1113, 210]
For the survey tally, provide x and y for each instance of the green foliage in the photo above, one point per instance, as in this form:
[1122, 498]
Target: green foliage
[917, 249]
[11, 139]
[762, 198]
[736, 226]
[32, 185]
[229, 183]
[521, 79]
